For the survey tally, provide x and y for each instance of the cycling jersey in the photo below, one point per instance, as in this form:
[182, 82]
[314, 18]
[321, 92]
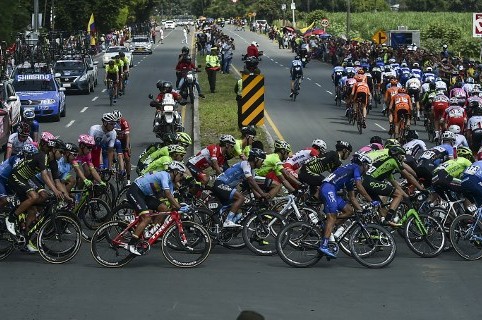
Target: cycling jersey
[455, 115]
[328, 161]
[102, 138]
[272, 163]
[16, 144]
[415, 147]
[454, 167]
[81, 159]
[370, 147]
[154, 183]
[417, 73]
[428, 77]
[342, 178]
[437, 155]
[236, 174]
[413, 84]
[468, 87]
[472, 182]
[111, 70]
[122, 128]
[204, 158]
[458, 93]
[239, 150]
[159, 164]
[460, 141]
[120, 65]
[440, 85]
[439, 104]
[383, 166]
[299, 158]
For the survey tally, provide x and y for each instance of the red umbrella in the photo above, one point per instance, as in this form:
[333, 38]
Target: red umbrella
[318, 32]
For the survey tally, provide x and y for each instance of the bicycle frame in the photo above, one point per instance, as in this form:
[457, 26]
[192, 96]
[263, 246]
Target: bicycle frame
[418, 222]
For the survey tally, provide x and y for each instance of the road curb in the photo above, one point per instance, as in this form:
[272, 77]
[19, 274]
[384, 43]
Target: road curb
[196, 127]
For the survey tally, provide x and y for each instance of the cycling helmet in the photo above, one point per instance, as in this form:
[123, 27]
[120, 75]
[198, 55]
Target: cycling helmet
[376, 139]
[282, 145]
[342, 145]
[111, 63]
[453, 101]
[429, 69]
[403, 65]
[122, 54]
[412, 134]
[86, 139]
[448, 136]
[357, 63]
[320, 144]
[397, 153]
[29, 149]
[176, 166]
[167, 86]
[391, 143]
[297, 58]
[360, 71]
[117, 114]
[227, 139]
[46, 136]
[175, 148]
[350, 74]
[56, 143]
[402, 90]
[109, 117]
[466, 153]
[72, 148]
[254, 43]
[360, 159]
[187, 57]
[184, 138]
[23, 129]
[159, 84]
[256, 154]
[29, 114]
[391, 60]
[470, 80]
[438, 79]
[248, 131]
[415, 65]
[185, 49]
[454, 128]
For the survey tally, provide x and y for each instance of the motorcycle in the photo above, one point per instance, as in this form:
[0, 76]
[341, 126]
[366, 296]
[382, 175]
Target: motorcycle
[166, 119]
[187, 89]
[251, 66]
[304, 57]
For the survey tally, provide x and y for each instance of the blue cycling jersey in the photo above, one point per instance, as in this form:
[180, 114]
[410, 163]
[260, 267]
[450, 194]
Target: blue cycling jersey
[236, 174]
[428, 75]
[417, 72]
[475, 170]
[154, 183]
[344, 177]
[338, 69]
[6, 166]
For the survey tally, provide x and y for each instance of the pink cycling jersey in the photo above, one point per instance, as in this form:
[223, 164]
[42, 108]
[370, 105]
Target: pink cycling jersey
[81, 159]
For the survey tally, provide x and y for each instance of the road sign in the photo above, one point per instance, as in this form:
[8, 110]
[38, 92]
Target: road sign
[252, 100]
[325, 23]
[380, 37]
[477, 25]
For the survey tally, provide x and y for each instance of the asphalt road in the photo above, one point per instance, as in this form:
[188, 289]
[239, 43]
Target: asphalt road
[231, 281]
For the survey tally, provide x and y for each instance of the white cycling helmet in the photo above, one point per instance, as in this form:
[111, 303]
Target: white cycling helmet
[454, 128]
[320, 144]
[227, 139]
[177, 166]
[448, 136]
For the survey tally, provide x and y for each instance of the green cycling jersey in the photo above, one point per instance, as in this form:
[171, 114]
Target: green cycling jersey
[454, 167]
[159, 164]
[238, 149]
[383, 166]
[271, 163]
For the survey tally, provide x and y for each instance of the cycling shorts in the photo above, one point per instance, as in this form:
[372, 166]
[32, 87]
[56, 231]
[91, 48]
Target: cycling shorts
[377, 188]
[415, 93]
[439, 110]
[4, 190]
[363, 96]
[442, 181]
[333, 202]
[21, 186]
[457, 121]
[425, 172]
[472, 189]
[401, 110]
[112, 76]
[309, 178]
[224, 192]
[197, 173]
[140, 201]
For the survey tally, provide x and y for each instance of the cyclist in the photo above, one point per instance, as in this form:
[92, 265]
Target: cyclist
[243, 145]
[28, 116]
[125, 68]
[440, 103]
[120, 71]
[455, 114]
[123, 134]
[400, 107]
[376, 143]
[472, 183]
[392, 89]
[414, 146]
[474, 131]
[176, 153]
[416, 70]
[274, 173]
[83, 165]
[225, 186]
[361, 91]
[296, 71]
[295, 161]
[440, 85]
[460, 139]
[153, 191]
[379, 180]
[345, 177]
[104, 137]
[252, 50]
[413, 86]
[214, 156]
[112, 74]
[311, 172]
[18, 139]
[459, 94]
[182, 68]
[469, 86]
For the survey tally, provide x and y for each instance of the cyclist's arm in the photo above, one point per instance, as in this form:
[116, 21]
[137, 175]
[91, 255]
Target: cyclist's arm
[48, 181]
[215, 166]
[174, 204]
[110, 156]
[291, 179]
[79, 172]
[362, 191]
[256, 189]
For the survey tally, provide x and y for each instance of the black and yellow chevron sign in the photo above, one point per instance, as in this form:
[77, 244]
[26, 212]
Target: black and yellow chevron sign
[252, 100]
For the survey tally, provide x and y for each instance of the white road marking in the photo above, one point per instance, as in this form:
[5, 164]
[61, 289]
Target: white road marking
[308, 78]
[329, 92]
[380, 126]
[95, 98]
[83, 109]
[281, 65]
[319, 85]
[104, 90]
[70, 123]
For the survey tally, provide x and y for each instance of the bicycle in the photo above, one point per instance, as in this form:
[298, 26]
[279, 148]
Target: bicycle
[466, 235]
[430, 128]
[338, 96]
[298, 243]
[58, 233]
[403, 128]
[414, 110]
[296, 87]
[111, 91]
[359, 114]
[110, 242]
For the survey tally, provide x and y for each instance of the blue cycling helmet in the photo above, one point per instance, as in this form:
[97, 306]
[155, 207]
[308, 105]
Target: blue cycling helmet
[29, 149]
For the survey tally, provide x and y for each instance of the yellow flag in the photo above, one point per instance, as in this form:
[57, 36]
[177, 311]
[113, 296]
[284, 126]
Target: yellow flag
[308, 27]
[91, 25]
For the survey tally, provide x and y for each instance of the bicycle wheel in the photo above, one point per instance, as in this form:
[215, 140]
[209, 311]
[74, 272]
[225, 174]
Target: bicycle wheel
[466, 237]
[189, 254]
[109, 244]
[121, 196]
[260, 232]
[372, 246]
[6, 241]
[59, 239]
[359, 119]
[297, 244]
[123, 212]
[93, 213]
[429, 244]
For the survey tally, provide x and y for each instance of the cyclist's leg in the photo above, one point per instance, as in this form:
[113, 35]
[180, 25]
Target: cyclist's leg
[120, 155]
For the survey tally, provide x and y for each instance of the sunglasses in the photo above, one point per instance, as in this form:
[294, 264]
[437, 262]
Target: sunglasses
[88, 147]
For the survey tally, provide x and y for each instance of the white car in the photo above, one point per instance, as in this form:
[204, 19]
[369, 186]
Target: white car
[141, 44]
[169, 24]
[111, 52]
[10, 102]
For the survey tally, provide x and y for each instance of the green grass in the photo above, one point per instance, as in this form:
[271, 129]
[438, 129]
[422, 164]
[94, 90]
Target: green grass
[218, 113]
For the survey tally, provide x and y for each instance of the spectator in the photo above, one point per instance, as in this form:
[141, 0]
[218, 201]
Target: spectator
[212, 67]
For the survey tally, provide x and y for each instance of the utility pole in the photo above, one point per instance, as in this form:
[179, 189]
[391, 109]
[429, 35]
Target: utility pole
[35, 16]
[348, 20]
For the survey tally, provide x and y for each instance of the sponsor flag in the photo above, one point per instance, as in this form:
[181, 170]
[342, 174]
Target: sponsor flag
[91, 25]
[308, 27]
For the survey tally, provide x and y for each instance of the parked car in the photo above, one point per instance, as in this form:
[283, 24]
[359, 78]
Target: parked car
[141, 44]
[10, 102]
[169, 24]
[111, 52]
[41, 93]
[75, 75]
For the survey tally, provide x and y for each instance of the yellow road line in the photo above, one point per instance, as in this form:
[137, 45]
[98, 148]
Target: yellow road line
[266, 114]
